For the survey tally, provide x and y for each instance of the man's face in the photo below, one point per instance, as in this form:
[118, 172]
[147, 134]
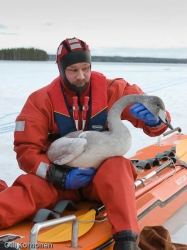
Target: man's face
[78, 74]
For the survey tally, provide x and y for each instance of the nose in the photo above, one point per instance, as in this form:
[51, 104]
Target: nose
[80, 75]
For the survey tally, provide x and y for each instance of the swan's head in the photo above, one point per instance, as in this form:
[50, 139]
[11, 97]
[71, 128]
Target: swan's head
[156, 106]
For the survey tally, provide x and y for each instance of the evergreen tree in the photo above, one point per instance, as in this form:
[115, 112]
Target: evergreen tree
[23, 54]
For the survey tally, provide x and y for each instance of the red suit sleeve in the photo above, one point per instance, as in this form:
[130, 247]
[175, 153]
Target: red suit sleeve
[33, 125]
[118, 88]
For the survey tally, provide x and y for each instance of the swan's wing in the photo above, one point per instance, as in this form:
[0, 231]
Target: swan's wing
[64, 150]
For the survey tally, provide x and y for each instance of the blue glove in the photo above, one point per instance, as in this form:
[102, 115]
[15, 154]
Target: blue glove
[139, 111]
[78, 178]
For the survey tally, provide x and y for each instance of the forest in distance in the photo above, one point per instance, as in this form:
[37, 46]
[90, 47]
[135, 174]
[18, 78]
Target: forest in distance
[23, 54]
[32, 54]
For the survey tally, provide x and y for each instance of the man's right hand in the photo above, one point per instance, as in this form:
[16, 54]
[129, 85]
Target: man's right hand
[64, 177]
[139, 111]
[77, 178]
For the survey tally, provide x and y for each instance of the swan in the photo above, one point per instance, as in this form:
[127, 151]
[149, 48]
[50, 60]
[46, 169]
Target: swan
[86, 149]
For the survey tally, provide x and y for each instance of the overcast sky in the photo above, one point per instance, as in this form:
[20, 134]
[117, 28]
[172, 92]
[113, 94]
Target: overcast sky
[43, 24]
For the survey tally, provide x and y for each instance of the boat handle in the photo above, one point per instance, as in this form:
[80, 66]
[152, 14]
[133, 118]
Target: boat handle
[38, 226]
[168, 133]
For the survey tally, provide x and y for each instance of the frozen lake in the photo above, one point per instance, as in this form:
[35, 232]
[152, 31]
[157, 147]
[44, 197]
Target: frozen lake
[19, 79]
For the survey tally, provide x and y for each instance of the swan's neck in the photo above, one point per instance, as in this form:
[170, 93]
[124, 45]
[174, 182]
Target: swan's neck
[114, 115]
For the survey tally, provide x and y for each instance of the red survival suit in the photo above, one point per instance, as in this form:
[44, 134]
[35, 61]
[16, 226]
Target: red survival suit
[36, 124]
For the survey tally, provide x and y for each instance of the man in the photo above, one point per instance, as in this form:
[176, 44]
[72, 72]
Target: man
[50, 113]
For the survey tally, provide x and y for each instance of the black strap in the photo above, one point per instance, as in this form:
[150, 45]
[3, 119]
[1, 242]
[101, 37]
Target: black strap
[57, 175]
[61, 205]
[69, 108]
[66, 46]
[143, 164]
[83, 45]
[152, 162]
[44, 214]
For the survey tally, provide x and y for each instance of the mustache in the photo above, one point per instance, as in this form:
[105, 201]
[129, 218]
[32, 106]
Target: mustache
[80, 82]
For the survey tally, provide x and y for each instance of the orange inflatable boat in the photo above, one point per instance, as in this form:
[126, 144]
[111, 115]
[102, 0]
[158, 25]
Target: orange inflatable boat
[161, 192]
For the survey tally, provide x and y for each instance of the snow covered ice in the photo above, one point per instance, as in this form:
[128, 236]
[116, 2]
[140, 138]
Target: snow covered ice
[19, 79]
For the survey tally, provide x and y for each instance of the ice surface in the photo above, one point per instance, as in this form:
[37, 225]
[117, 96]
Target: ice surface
[19, 79]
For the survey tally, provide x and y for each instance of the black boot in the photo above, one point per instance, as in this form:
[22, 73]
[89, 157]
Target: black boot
[125, 240]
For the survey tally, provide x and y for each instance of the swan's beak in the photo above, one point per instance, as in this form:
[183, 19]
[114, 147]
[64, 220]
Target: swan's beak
[163, 117]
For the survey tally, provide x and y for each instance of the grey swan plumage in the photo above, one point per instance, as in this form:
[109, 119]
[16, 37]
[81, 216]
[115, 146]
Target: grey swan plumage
[85, 149]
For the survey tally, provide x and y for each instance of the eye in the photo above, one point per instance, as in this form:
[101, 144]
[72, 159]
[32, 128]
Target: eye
[85, 69]
[73, 70]
[158, 105]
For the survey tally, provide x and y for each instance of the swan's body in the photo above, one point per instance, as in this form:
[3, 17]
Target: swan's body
[85, 149]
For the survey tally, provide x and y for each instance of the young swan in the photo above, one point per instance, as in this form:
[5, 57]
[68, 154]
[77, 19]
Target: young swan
[86, 149]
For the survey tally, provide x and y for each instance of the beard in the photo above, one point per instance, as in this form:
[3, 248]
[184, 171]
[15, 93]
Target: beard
[78, 85]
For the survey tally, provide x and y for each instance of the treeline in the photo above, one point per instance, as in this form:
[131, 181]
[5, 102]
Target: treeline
[136, 59]
[32, 54]
[23, 54]
[131, 59]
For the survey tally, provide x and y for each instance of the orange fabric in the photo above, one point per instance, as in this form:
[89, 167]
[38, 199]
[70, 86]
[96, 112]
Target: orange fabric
[98, 92]
[114, 186]
[30, 193]
[3, 185]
